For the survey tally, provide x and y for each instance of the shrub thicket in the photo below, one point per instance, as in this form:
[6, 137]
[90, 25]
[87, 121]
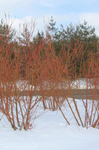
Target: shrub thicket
[47, 67]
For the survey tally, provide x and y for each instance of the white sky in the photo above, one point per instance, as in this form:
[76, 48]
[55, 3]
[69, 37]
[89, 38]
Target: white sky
[63, 11]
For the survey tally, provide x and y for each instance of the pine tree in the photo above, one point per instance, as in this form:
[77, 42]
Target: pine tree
[51, 29]
[6, 32]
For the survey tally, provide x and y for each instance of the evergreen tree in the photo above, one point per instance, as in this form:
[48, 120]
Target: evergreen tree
[6, 32]
[38, 38]
[71, 35]
[51, 27]
[82, 32]
[53, 34]
[6, 40]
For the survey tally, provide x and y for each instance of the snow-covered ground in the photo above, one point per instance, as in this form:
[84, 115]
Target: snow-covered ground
[50, 132]
[77, 84]
[23, 85]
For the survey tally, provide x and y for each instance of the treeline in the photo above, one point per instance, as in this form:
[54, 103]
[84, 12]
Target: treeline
[63, 40]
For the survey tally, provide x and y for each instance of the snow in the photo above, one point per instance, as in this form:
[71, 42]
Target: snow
[77, 84]
[50, 132]
[23, 85]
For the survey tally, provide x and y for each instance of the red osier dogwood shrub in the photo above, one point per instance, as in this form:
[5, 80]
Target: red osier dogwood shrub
[41, 72]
